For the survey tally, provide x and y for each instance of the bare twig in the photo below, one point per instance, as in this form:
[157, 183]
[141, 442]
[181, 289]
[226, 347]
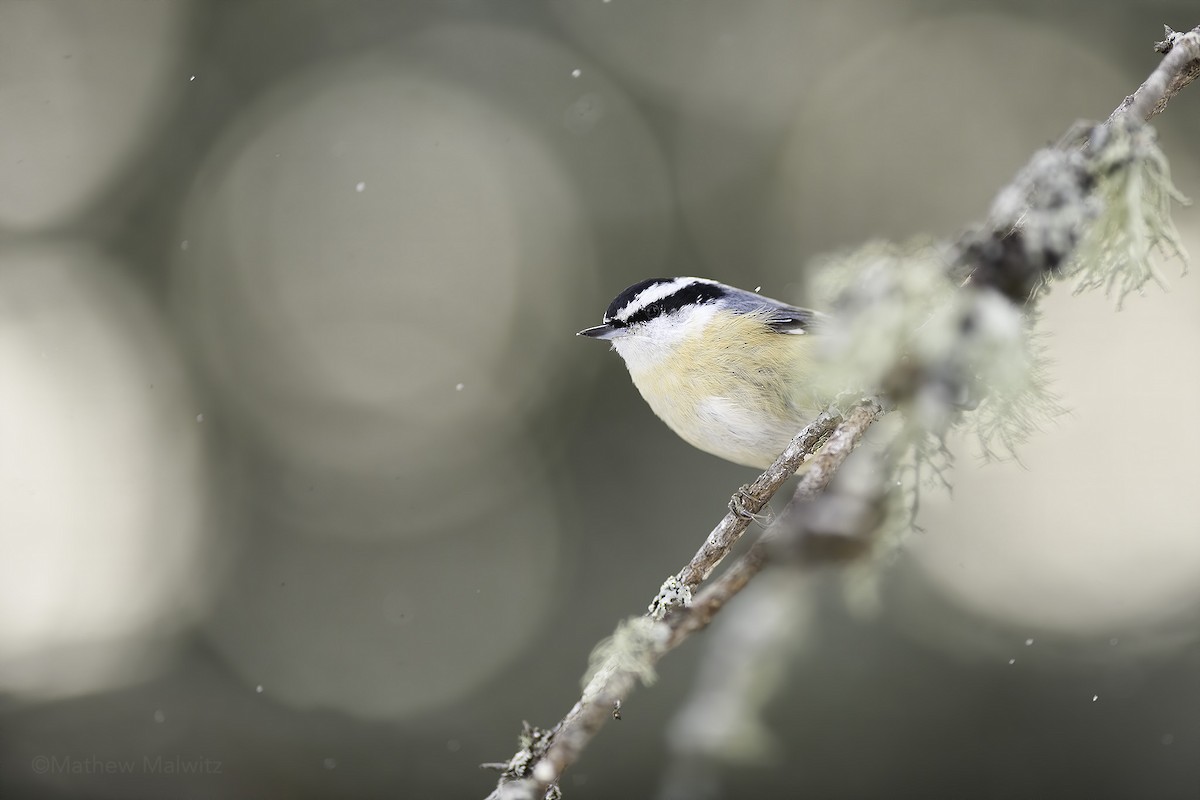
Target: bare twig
[751, 642]
[753, 498]
[1179, 67]
[612, 682]
[846, 437]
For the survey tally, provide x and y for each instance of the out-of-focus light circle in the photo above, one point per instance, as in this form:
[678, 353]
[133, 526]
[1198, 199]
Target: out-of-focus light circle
[382, 262]
[79, 86]
[1095, 533]
[100, 523]
[390, 629]
[382, 257]
[362, 243]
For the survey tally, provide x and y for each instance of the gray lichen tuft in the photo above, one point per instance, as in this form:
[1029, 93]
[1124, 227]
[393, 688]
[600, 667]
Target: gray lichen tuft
[673, 594]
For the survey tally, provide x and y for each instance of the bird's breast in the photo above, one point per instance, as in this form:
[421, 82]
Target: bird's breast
[742, 405]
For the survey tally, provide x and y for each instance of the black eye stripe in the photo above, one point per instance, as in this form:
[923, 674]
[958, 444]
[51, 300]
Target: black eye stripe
[692, 294]
[628, 296]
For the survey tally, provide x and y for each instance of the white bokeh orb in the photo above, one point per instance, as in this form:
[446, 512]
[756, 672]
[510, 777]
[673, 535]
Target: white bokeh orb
[102, 468]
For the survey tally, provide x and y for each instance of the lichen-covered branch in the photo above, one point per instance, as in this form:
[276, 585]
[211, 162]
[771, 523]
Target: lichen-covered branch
[1038, 220]
[965, 350]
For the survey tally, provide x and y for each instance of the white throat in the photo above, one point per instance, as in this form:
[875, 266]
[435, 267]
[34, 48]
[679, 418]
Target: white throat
[647, 344]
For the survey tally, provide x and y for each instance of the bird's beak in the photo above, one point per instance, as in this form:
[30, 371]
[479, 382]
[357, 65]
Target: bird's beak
[599, 332]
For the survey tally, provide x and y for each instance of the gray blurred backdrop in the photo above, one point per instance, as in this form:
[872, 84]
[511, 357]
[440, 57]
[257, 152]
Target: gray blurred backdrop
[308, 490]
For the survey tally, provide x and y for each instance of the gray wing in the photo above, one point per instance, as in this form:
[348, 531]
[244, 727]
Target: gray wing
[780, 316]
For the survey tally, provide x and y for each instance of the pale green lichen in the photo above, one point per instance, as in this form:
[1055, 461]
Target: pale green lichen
[1134, 228]
[952, 357]
[991, 348]
[880, 295]
[1018, 401]
[900, 324]
[954, 354]
[633, 648]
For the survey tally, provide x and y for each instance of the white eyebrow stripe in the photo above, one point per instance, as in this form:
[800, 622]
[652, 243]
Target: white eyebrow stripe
[652, 294]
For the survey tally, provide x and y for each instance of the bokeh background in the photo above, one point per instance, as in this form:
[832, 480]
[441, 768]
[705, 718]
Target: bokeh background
[308, 490]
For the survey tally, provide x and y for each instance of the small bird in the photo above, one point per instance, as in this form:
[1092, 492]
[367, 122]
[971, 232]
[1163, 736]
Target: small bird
[726, 369]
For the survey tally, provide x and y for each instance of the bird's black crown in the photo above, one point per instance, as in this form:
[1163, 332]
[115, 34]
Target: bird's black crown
[655, 297]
